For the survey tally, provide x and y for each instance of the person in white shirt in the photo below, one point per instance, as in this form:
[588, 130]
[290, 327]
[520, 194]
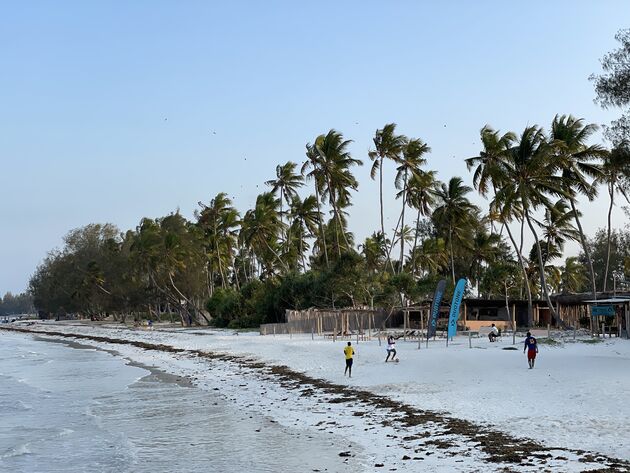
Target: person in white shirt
[391, 348]
[494, 333]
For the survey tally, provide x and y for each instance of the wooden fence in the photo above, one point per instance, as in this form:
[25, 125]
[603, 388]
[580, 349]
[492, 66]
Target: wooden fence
[339, 321]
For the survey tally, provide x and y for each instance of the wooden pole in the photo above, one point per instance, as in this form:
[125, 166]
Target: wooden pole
[405, 325]
[513, 324]
[469, 339]
[548, 330]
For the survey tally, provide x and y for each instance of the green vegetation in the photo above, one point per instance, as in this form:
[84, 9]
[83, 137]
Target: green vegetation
[16, 304]
[294, 250]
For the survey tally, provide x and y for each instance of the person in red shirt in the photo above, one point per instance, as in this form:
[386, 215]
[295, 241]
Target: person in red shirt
[531, 345]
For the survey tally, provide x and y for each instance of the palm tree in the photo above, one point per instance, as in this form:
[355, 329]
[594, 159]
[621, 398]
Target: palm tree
[491, 173]
[315, 173]
[260, 229]
[616, 172]
[576, 159]
[409, 164]
[305, 217]
[387, 145]
[557, 228]
[530, 179]
[485, 249]
[220, 222]
[286, 184]
[421, 196]
[374, 250]
[573, 275]
[453, 212]
[334, 161]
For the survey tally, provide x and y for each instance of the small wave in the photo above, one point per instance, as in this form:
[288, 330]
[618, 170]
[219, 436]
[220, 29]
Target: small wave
[17, 451]
[65, 432]
[23, 405]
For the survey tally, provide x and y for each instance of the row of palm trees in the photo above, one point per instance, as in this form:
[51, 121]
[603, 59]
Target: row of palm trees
[520, 175]
[532, 181]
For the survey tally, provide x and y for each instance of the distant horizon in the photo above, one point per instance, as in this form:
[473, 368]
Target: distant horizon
[115, 113]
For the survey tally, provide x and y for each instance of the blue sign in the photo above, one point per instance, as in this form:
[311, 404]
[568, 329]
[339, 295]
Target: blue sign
[455, 303]
[435, 308]
[605, 310]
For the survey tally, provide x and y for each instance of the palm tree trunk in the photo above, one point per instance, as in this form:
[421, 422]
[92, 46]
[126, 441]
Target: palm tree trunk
[543, 279]
[275, 253]
[450, 242]
[402, 226]
[587, 253]
[380, 174]
[530, 308]
[611, 192]
[415, 245]
[321, 227]
[333, 202]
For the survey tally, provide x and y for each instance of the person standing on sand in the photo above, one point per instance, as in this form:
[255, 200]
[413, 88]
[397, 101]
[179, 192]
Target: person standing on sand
[349, 352]
[391, 348]
[531, 345]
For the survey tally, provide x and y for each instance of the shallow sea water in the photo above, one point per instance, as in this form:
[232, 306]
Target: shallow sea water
[66, 408]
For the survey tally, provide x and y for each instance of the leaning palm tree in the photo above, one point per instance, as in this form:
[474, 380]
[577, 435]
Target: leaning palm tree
[577, 161]
[454, 213]
[409, 165]
[530, 180]
[387, 145]
[616, 176]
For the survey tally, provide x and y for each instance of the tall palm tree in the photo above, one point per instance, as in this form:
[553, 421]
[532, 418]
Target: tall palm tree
[286, 184]
[616, 172]
[387, 145]
[576, 158]
[312, 165]
[490, 174]
[531, 178]
[453, 213]
[334, 161]
[409, 164]
[220, 222]
[421, 196]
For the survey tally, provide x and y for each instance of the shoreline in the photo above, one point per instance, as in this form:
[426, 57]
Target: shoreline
[413, 433]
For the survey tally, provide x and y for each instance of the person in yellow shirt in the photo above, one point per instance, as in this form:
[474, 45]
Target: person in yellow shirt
[349, 352]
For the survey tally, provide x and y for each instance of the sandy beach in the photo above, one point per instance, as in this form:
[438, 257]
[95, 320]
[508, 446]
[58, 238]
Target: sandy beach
[450, 409]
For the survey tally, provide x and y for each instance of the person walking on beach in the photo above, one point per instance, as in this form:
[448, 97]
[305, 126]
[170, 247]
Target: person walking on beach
[391, 348]
[349, 352]
[531, 345]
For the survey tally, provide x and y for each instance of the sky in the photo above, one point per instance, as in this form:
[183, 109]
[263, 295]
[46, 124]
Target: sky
[114, 111]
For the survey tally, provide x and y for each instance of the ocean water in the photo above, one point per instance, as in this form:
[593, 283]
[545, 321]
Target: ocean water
[67, 408]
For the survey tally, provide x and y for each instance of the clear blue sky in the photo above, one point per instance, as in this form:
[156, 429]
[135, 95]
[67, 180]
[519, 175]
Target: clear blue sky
[108, 110]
